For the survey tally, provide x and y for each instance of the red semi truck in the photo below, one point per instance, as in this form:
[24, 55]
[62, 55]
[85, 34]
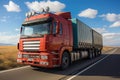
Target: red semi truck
[55, 40]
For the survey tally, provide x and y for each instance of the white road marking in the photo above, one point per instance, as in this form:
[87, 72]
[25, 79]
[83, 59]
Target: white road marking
[90, 66]
[14, 69]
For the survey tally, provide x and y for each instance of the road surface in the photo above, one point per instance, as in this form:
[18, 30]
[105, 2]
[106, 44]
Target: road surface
[105, 67]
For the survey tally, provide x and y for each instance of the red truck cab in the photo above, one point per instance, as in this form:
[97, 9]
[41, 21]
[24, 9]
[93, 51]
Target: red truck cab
[44, 39]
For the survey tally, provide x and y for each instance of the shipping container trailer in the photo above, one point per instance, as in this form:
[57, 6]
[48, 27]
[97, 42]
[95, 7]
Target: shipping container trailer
[82, 34]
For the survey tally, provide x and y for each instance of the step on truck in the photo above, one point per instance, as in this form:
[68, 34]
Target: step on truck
[56, 40]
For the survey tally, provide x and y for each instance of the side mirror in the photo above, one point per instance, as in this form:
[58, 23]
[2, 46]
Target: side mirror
[20, 30]
[18, 46]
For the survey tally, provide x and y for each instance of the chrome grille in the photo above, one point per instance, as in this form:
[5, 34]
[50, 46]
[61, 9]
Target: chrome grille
[31, 45]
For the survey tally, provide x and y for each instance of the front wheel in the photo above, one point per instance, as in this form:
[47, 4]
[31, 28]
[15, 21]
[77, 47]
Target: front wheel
[65, 60]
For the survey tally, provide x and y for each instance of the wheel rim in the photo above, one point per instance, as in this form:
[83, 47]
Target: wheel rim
[90, 55]
[65, 61]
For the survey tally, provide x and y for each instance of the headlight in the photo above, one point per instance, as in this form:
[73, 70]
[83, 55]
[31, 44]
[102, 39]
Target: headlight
[19, 55]
[44, 57]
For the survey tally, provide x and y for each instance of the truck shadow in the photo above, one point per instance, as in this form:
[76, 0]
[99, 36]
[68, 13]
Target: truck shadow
[104, 68]
[67, 71]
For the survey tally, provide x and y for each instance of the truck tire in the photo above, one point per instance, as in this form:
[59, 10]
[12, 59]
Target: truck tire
[90, 54]
[93, 55]
[65, 61]
[100, 52]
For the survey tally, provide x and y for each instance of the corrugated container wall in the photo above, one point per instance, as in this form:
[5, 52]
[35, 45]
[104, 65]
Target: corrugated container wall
[82, 34]
[97, 40]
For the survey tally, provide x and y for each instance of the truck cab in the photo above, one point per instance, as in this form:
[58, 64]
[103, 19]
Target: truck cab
[44, 38]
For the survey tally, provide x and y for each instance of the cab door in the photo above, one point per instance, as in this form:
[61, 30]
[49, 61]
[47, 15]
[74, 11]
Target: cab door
[56, 41]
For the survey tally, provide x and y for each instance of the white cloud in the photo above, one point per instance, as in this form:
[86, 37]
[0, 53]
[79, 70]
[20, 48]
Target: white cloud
[111, 39]
[55, 6]
[17, 29]
[111, 35]
[116, 24]
[100, 30]
[4, 18]
[12, 7]
[88, 13]
[111, 17]
[8, 38]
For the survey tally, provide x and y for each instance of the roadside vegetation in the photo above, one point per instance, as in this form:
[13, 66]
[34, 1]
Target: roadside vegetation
[8, 56]
[106, 48]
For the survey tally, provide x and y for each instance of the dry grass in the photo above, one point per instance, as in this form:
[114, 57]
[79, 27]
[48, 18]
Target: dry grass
[106, 48]
[8, 56]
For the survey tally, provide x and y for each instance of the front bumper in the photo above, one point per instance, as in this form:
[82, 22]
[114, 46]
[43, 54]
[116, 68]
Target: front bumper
[43, 59]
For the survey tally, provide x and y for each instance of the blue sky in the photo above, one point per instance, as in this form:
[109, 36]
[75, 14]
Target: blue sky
[101, 15]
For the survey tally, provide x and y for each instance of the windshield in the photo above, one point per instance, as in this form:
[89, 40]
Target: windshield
[38, 29]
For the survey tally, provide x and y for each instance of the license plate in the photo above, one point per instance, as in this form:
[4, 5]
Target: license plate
[30, 59]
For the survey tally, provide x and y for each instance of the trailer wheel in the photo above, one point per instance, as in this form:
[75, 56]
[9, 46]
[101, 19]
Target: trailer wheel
[99, 52]
[94, 55]
[65, 61]
[90, 54]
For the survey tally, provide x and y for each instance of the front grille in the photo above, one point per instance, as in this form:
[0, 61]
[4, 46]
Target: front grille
[31, 45]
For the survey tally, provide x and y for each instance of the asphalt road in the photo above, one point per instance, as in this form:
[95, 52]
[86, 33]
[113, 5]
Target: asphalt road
[106, 67]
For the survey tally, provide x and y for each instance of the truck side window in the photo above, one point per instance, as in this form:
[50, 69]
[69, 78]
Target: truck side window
[61, 30]
[54, 27]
